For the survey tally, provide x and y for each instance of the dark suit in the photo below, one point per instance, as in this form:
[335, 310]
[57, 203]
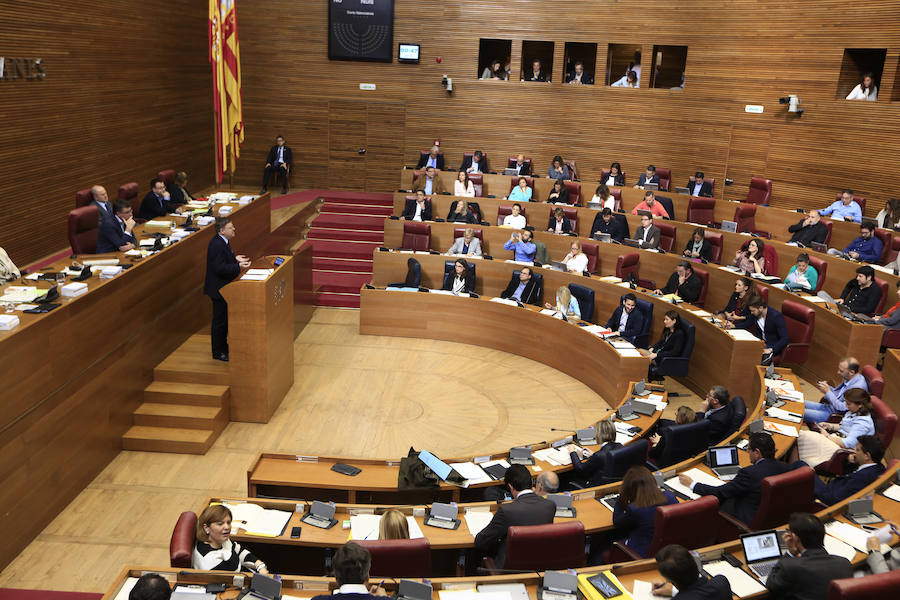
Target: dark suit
[221, 268]
[634, 324]
[669, 345]
[809, 233]
[112, 235]
[530, 76]
[740, 497]
[454, 217]
[705, 249]
[104, 210]
[719, 424]
[153, 206]
[714, 588]
[467, 162]
[524, 170]
[284, 168]
[592, 471]
[643, 179]
[613, 228]
[527, 509]
[562, 198]
[705, 189]
[409, 211]
[775, 329]
[844, 487]
[423, 161]
[449, 277]
[620, 179]
[652, 237]
[566, 224]
[806, 577]
[530, 295]
[688, 291]
[179, 195]
[586, 79]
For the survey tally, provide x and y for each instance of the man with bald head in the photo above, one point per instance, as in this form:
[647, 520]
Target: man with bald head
[432, 159]
[101, 200]
[522, 168]
[810, 229]
[546, 483]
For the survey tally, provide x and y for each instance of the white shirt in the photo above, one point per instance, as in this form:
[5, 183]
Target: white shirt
[519, 168]
[859, 94]
[697, 188]
[611, 180]
[517, 222]
[351, 588]
[559, 226]
[609, 203]
[578, 263]
[761, 322]
[623, 320]
[646, 233]
[459, 189]
[418, 215]
[475, 168]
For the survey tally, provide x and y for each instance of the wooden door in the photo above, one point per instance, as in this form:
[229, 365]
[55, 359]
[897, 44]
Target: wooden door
[346, 137]
[385, 130]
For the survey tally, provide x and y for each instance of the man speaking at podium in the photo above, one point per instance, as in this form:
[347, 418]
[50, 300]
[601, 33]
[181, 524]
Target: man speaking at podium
[222, 266]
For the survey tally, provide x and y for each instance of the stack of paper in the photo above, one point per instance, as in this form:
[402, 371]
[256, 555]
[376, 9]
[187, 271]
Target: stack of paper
[621, 344]
[892, 492]
[245, 200]
[780, 413]
[657, 400]
[851, 534]
[551, 313]
[787, 430]
[8, 322]
[633, 353]
[818, 300]
[696, 475]
[838, 548]
[197, 205]
[180, 234]
[610, 279]
[741, 583]
[476, 520]
[778, 383]
[110, 272]
[204, 221]
[516, 591]
[504, 301]
[471, 472]
[74, 289]
[224, 211]
[627, 286]
[741, 334]
[257, 274]
[599, 331]
[701, 313]
[21, 293]
[222, 196]
[558, 456]
[256, 520]
[365, 527]
[788, 393]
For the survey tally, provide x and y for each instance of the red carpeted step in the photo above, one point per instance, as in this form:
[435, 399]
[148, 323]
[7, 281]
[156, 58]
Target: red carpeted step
[347, 221]
[330, 263]
[343, 248]
[344, 279]
[20, 594]
[337, 300]
[380, 211]
[346, 234]
[366, 199]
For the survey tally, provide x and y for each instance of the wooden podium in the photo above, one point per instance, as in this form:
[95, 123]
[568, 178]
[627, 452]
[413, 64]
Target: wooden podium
[261, 340]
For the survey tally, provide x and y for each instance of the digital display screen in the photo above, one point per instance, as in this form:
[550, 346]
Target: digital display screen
[723, 456]
[361, 30]
[761, 547]
[408, 53]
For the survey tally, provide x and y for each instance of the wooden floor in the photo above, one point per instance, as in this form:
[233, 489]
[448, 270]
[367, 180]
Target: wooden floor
[353, 395]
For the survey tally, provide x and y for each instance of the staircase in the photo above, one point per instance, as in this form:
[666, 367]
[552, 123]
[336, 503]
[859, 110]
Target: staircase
[186, 406]
[344, 235]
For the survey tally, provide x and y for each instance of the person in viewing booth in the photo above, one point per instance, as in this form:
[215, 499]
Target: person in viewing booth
[846, 208]
[522, 192]
[605, 222]
[684, 283]
[521, 245]
[603, 197]
[861, 295]
[865, 248]
[351, 565]
[811, 229]
[589, 468]
[432, 159]
[634, 513]
[615, 178]
[559, 194]
[417, 209]
[714, 409]
[477, 163]
[736, 311]
[524, 290]
[749, 258]
[833, 397]
[566, 304]
[179, 191]
[558, 222]
[278, 162]
[576, 261]
[816, 445]
[515, 219]
[671, 343]
[767, 324]
[430, 183]
[650, 204]
[100, 199]
[460, 213]
[462, 186]
[494, 71]
[393, 525]
[648, 176]
[577, 76]
[802, 276]
[468, 244]
[559, 169]
[698, 187]
[222, 267]
[698, 246]
[647, 234]
[522, 167]
[808, 570]
[527, 508]
[626, 320]
[115, 234]
[677, 565]
[865, 89]
[461, 280]
[536, 73]
[157, 202]
[150, 586]
[866, 459]
[215, 551]
[632, 75]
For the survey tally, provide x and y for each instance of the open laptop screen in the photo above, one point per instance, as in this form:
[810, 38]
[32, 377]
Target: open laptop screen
[723, 456]
[762, 545]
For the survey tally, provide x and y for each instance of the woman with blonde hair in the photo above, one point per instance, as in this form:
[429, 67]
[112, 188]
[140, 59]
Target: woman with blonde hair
[591, 471]
[214, 550]
[576, 260]
[565, 303]
[393, 526]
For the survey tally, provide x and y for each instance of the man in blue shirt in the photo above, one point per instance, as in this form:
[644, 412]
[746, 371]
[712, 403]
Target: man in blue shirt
[845, 208]
[522, 245]
[866, 247]
[833, 400]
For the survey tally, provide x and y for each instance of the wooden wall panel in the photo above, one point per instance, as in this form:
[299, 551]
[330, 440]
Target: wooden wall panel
[739, 52]
[127, 93]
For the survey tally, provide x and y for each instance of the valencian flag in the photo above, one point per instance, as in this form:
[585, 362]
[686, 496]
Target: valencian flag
[226, 68]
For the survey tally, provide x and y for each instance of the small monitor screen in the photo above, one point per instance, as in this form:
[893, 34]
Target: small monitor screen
[723, 456]
[408, 53]
[761, 546]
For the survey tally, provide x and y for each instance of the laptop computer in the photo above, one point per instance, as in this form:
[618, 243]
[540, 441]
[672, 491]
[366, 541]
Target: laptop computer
[653, 187]
[558, 585]
[723, 461]
[408, 589]
[321, 515]
[818, 246]
[645, 213]
[729, 226]
[442, 515]
[563, 504]
[761, 552]
[558, 266]
[602, 237]
[682, 190]
[609, 501]
[520, 455]
[263, 587]
[510, 171]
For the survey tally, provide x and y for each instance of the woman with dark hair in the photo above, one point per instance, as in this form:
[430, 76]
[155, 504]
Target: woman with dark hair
[559, 169]
[889, 217]
[604, 198]
[522, 192]
[737, 308]
[494, 70]
[558, 193]
[865, 89]
[634, 513]
[671, 343]
[615, 177]
[817, 446]
[214, 550]
[698, 246]
[750, 257]
[462, 186]
[460, 279]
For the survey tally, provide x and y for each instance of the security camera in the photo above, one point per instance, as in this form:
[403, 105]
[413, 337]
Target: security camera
[793, 102]
[449, 85]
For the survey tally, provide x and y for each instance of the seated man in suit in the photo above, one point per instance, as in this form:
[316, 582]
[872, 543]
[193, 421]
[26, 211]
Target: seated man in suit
[677, 565]
[578, 77]
[867, 458]
[432, 159]
[697, 187]
[558, 222]
[522, 168]
[522, 245]
[740, 497]
[157, 202]
[115, 232]
[683, 282]
[178, 190]
[430, 183]
[627, 319]
[715, 408]
[527, 508]
[417, 209]
[468, 244]
[767, 324]
[351, 570]
[861, 294]
[811, 229]
[477, 163]
[524, 289]
[222, 267]
[605, 222]
[100, 199]
[650, 204]
[647, 234]
[278, 162]
[648, 176]
[807, 571]
[536, 73]
[151, 586]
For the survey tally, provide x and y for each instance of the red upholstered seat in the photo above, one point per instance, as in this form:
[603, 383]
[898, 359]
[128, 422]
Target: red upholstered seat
[592, 251]
[760, 191]
[858, 199]
[704, 277]
[181, 545]
[882, 586]
[895, 249]
[701, 210]
[20, 594]
[885, 420]
[627, 264]
[477, 180]
[504, 211]
[571, 213]
[617, 194]
[780, 495]
[821, 267]
[666, 235]
[416, 236]
[167, 176]
[459, 232]
[712, 184]
[881, 283]
[83, 198]
[745, 217]
[716, 242]
[763, 293]
[514, 181]
[511, 163]
[829, 226]
[891, 338]
[83, 227]
[665, 178]
[887, 241]
[574, 189]
[689, 524]
[399, 558]
[542, 547]
[604, 175]
[416, 174]
[129, 191]
[874, 380]
[800, 321]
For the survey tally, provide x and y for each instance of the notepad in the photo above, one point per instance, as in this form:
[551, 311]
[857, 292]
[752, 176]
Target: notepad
[477, 520]
[780, 413]
[851, 534]
[892, 492]
[742, 335]
[629, 353]
[788, 393]
[699, 477]
[701, 313]
[471, 472]
[643, 590]
[787, 430]
[742, 584]
[838, 548]
[778, 383]
[610, 279]
[256, 520]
